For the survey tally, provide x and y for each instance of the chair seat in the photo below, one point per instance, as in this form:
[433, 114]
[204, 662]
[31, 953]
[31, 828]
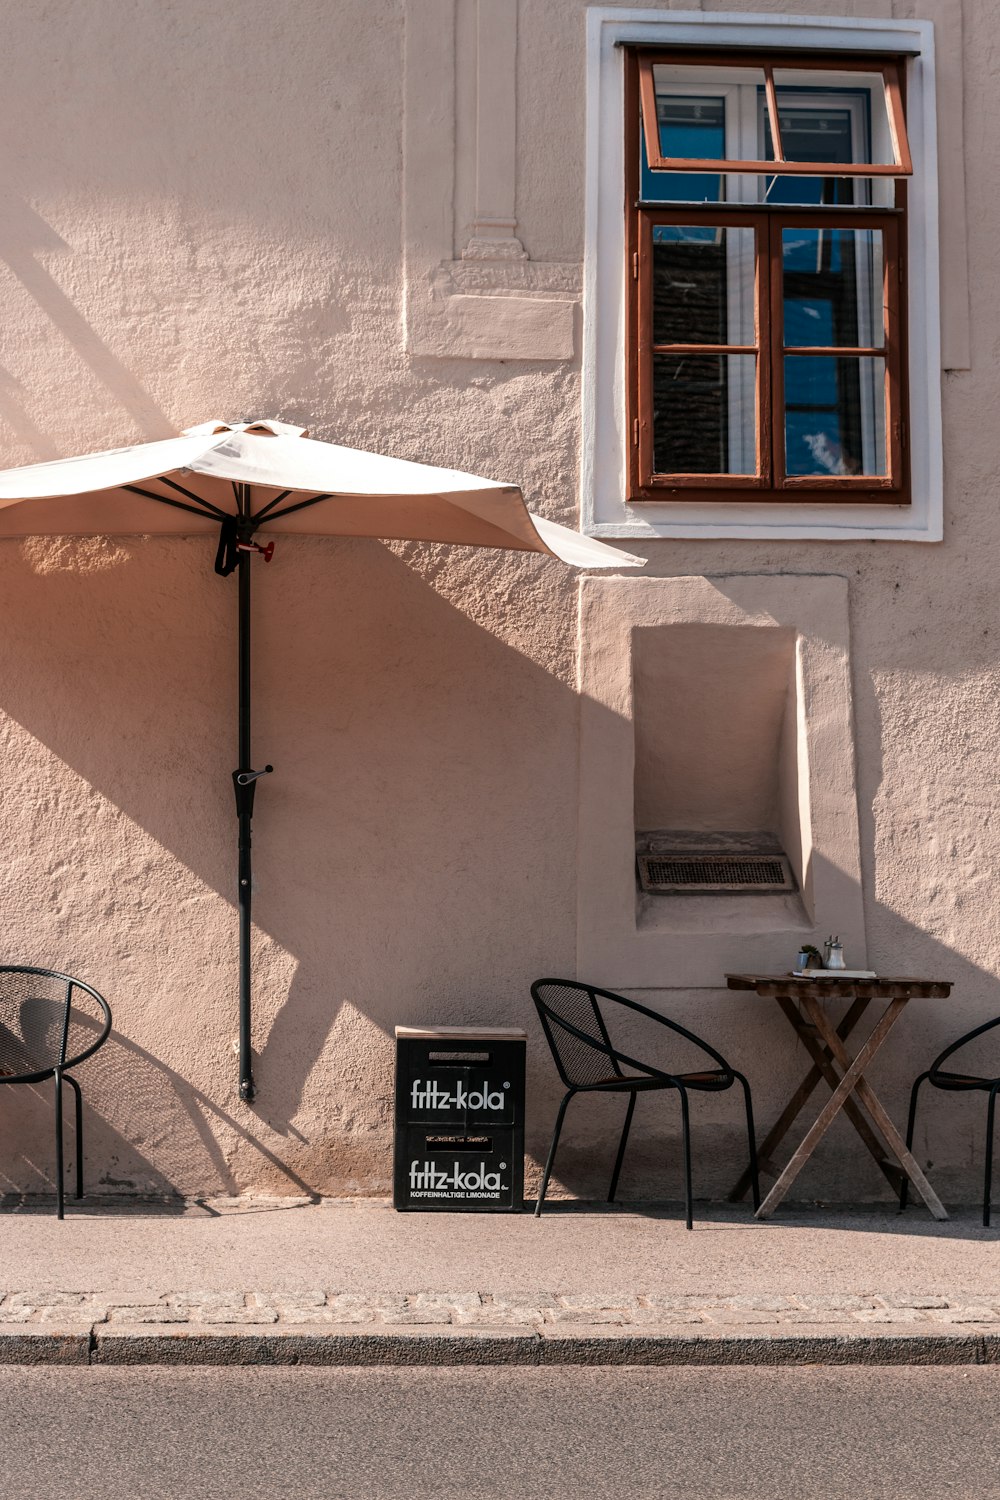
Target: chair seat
[716, 1079]
[961, 1081]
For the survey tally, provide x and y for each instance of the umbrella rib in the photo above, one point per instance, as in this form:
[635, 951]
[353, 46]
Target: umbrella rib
[192, 496]
[195, 510]
[270, 505]
[299, 505]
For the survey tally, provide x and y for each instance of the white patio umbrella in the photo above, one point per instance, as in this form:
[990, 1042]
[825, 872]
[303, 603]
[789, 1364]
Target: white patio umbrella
[240, 479]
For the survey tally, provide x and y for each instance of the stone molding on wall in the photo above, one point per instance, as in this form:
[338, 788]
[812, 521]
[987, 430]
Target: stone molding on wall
[492, 301]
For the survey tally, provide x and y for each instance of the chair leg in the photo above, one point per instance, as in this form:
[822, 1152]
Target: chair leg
[686, 1132]
[60, 1180]
[79, 1132]
[752, 1139]
[552, 1152]
[621, 1147]
[904, 1189]
[988, 1188]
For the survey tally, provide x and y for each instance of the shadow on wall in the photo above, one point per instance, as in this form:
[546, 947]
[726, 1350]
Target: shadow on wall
[755, 1038]
[133, 1105]
[199, 247]
[413, 859]
[410, 847]
[910, 843]
[25, 238]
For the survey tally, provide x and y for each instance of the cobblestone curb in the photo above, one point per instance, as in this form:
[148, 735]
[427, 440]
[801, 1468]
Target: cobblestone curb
[350, 1328]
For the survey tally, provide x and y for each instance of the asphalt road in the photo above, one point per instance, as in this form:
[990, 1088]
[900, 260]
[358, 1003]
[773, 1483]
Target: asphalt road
[504, 1434]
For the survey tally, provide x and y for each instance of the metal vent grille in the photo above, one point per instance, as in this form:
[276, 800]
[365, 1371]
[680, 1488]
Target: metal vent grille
[714, 872]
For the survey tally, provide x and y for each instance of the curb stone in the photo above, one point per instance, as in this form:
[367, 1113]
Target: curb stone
[317, 1345]
[45, 1344]
[323, 1344]
[317, 1327]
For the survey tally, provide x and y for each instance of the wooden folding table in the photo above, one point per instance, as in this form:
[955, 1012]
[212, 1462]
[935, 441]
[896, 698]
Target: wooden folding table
[805, 1003]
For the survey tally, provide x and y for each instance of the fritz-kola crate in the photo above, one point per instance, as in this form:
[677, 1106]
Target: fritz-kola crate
[459, 1118]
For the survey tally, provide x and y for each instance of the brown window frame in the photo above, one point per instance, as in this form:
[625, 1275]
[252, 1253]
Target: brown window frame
[769, 483]
[765, 62]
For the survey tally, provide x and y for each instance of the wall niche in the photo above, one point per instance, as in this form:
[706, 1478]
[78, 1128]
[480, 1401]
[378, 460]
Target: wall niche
[717, 794]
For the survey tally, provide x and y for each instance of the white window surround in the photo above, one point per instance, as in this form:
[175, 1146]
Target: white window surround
[603, 508]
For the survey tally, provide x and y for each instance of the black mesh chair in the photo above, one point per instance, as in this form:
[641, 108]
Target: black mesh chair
[588, 1062]
[959, 1083]
[49, 1024]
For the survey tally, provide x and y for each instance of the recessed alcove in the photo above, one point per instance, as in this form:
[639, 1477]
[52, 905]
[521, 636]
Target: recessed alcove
[716, 767]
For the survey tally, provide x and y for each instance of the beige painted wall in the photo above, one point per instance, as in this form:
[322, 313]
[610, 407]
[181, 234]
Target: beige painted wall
[205, 213]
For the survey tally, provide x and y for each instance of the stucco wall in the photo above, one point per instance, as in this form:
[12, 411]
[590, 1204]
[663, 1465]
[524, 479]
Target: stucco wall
[204, 215]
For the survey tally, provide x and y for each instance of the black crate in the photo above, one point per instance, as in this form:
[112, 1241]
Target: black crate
[459, 1171]
[459, 1142]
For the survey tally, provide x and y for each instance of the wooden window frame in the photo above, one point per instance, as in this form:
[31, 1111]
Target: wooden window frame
[769, 483]
[765, 62]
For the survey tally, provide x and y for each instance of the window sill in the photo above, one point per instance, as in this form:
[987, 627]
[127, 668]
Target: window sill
[736, 914]
[777, 522]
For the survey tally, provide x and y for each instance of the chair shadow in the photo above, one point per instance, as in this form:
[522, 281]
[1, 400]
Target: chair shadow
[132, 1102]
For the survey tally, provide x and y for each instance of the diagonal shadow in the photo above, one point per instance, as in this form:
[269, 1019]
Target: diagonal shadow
[25, 237]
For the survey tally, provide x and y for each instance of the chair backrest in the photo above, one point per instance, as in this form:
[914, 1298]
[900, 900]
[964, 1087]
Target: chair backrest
[576, 1031]
[48, 1020]
[962, 1041]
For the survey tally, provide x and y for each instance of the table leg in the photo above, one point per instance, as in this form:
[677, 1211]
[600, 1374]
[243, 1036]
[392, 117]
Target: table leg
[794, 1106]
[814, 1039]
[871, 1101]
[832, 1107]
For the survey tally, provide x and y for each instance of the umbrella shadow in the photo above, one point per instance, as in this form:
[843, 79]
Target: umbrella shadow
[411, 856]
[398, 870]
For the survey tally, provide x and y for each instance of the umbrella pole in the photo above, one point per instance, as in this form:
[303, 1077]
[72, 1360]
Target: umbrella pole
[244, 777]
[244, 811]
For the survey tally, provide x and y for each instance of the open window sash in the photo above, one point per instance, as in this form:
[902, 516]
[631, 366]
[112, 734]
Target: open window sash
[755, 65]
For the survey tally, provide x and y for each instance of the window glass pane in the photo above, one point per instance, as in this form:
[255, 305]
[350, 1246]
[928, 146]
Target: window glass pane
[703, 284]
[833, 117]
[693, 127]
[818, 127]
[834, 415]
[691, 109]
[833, 287]
[823, 192]
[704, 414]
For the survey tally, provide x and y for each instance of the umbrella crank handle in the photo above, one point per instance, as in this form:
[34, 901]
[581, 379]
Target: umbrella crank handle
[245, 778]
[244, 785]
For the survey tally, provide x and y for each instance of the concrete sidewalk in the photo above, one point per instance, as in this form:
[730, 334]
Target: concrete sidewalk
[353, 1282]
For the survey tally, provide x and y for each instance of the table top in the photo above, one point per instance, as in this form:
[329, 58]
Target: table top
[882, 987]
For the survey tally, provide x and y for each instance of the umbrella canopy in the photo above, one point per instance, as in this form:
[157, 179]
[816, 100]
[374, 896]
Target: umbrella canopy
[241, 479]
[298, 484]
